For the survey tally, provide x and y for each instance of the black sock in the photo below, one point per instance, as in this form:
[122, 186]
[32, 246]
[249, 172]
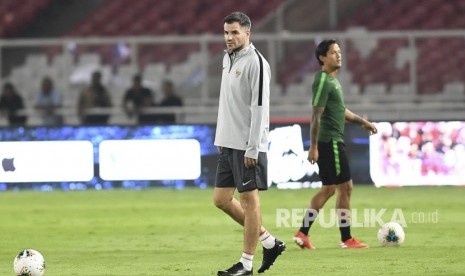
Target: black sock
[345, 230]
[307, 221]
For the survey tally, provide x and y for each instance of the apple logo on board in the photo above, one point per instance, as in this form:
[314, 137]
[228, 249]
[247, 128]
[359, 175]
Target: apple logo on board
[8, 164]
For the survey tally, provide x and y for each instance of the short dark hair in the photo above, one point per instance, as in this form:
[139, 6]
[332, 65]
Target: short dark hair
[322, 48]
[239, 17]
[9, 86]
[137, 77]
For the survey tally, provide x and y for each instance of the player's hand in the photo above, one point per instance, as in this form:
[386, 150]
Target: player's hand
[250, 162]
[220, 149]
[370, 127]
[313, 155]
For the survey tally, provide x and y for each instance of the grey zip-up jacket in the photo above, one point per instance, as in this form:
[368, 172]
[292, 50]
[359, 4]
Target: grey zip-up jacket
[244, 107]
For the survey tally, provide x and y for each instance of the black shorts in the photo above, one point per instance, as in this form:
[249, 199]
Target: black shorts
[333, 163]
[232, 173]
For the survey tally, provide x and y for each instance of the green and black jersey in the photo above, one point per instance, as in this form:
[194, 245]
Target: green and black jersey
[327, 93]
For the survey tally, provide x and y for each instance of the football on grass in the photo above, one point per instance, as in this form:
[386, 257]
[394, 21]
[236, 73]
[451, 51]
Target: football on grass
[29, 262]
[391, 234]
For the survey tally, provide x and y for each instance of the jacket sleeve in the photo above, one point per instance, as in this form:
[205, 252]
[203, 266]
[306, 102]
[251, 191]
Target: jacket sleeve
[259, 76]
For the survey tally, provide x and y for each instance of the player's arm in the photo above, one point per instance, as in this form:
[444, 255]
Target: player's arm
[314, 132]
[259, 107]
[354, 118]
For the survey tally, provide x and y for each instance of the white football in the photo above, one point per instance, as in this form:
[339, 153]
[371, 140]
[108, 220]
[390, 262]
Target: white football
[391, 234]
[29, 262]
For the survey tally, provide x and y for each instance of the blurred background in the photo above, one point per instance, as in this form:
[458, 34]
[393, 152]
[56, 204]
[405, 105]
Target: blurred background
[402, 58]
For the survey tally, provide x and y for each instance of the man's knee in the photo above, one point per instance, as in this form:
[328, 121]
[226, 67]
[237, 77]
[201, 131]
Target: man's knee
[219, 202]
[328, 191]
[222, 199]
[249, 200]
[345, 188]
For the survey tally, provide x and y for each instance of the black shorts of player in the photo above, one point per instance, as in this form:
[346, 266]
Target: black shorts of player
[333, 163]
[232, 173]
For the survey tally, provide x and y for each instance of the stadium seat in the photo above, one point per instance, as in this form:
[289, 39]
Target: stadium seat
[16, 15]
[431, 52]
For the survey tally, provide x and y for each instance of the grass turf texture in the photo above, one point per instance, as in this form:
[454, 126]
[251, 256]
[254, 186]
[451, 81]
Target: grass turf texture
[170, 232]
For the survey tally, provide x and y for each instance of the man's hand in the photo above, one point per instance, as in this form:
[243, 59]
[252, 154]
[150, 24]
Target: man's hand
[370, 127]
[313, 155]
[250, 162]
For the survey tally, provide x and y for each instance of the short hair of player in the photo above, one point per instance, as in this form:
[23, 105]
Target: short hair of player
[137, 77]
[322, 49]
[239, 17]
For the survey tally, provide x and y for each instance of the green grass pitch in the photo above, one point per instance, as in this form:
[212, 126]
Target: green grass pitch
[171, 232]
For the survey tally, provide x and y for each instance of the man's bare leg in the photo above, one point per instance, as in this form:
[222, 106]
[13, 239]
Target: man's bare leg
[224, 200]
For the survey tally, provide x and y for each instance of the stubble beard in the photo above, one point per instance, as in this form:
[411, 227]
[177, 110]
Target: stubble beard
[238, 48]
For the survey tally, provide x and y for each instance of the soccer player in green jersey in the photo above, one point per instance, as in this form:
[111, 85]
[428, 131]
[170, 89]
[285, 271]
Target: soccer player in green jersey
[327, 146]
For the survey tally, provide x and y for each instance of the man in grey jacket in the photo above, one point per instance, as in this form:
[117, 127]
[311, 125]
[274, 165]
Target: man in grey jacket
[242, 140]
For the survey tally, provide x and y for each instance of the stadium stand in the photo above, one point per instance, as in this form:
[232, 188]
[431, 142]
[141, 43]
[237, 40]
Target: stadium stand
[379, 68]
[364, 61]
[149, 17]
[16, 15]
[433, 60]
